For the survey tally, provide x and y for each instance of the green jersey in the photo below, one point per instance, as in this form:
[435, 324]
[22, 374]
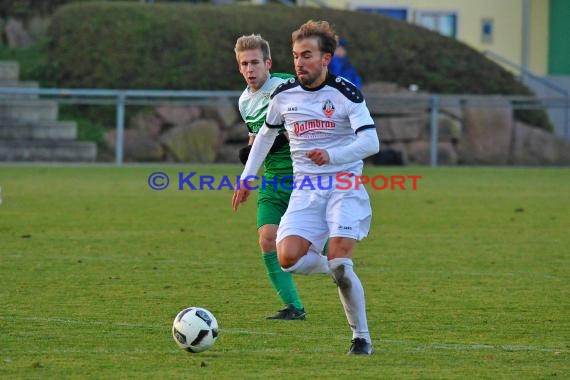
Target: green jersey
[253, 107]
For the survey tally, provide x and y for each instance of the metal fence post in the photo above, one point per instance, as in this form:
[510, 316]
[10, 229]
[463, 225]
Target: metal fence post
[120, 125]
[434, 129]
[567, 119]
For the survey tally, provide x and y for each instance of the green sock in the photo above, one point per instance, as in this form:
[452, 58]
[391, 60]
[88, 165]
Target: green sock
[281, 281]
[326, 248]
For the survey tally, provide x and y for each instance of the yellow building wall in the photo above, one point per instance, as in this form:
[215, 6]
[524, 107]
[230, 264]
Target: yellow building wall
[538, 60]
[507, 16]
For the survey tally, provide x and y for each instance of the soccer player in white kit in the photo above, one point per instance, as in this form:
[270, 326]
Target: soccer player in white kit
[330, 131]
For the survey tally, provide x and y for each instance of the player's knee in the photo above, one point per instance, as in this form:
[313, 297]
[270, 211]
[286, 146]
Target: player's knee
[286, 260]
[267, 244]
[340, 247]
[267, 238]
[289, 252]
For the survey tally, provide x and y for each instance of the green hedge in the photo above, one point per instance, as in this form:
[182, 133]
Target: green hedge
[184, 46]
[25, 9]
[190, 46]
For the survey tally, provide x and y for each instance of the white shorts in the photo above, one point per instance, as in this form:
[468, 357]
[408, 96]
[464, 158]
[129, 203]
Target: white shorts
[319, 214]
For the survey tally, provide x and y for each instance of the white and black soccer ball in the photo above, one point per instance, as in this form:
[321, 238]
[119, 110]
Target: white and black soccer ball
[195, 329]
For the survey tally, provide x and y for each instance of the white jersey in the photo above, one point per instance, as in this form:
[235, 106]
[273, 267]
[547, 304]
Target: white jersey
[253, 105]
[325, 118]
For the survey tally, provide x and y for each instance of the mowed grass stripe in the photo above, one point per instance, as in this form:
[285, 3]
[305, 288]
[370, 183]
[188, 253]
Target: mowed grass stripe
[466, 277]
[382, 342]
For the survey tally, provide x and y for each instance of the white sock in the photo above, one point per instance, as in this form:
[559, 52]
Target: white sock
[351, 295]
[311, 263]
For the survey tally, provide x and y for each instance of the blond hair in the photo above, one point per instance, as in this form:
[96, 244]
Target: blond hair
[253, 42]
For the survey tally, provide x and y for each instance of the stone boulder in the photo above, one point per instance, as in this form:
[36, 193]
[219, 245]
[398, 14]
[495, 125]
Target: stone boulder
[383, 88]
[398, 104]
[149, 122]
[487, 132]
[448, 129]
[419, 152]
[178, 115]
[138, 145]
[533, 146]
[408, 128]
[224, 111]
[385, 98]
[194, 142]
[237, 134]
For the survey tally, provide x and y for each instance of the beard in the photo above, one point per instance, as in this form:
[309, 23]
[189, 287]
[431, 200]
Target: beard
[308, 79]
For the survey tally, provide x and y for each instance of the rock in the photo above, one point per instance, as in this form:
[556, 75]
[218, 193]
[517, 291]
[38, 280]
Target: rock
[419, 152]
[533, 146]
[401, 129]
[448, 129]
[148, 122]
[236, 134]
[395, 104]
[487, 132]
[224, 111]
[383, 88]
[178, 115]
[138, 145]
[194, 142]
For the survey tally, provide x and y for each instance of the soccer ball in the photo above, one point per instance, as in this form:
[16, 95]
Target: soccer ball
[195, 329]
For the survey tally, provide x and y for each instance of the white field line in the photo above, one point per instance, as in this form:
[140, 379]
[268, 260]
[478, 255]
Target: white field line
[379, 343]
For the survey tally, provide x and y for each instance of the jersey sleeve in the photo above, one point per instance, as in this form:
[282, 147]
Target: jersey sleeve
[274, 118]
[259, 150]
[240, 108]
[360, 117]
[366, 144]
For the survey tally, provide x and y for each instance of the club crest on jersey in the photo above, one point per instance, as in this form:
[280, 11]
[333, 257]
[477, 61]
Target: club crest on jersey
[328, 108]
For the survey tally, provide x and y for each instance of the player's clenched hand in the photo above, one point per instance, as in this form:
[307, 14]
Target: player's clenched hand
[241, 193]
[318, 156]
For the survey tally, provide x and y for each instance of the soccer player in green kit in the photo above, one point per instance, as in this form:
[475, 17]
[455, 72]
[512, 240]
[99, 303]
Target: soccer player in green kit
[254, 61]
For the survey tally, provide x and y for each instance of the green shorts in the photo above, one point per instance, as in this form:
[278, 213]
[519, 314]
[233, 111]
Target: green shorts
[271, 205]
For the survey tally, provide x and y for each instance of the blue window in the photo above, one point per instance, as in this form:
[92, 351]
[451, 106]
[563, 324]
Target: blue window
[395, 13]
[487, 30]
[442, 22]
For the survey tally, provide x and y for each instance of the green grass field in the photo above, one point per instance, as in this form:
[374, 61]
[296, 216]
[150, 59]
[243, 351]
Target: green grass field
[466, 277]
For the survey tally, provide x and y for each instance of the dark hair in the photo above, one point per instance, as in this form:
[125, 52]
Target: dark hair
[320, 29]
